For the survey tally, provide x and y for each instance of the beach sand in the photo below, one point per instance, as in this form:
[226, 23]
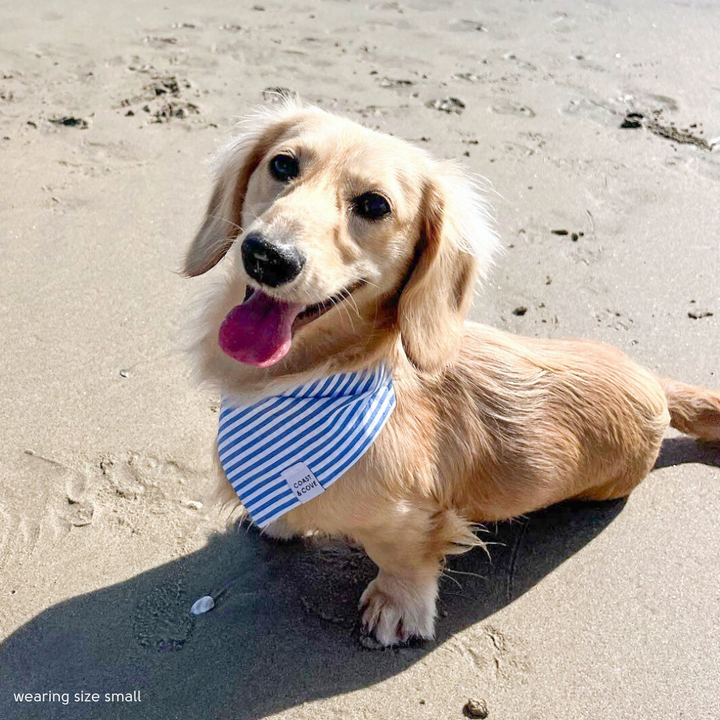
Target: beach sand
[108, 115]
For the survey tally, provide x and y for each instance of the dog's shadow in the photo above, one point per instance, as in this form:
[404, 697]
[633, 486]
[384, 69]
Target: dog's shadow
[282, 632]
[682, 450]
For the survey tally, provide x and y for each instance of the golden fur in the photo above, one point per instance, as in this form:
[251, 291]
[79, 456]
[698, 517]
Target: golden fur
[488, 426]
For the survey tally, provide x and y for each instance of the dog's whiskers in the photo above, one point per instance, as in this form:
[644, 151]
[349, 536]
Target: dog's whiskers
[347, 310]
[225, 220]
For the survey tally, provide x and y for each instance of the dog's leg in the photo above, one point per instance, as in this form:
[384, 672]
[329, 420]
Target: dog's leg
[399, 604]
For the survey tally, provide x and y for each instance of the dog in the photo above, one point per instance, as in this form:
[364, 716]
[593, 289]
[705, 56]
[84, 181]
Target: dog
[346, 249]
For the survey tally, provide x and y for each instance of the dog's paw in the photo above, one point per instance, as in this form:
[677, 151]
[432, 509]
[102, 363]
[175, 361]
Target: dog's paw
[395, 611]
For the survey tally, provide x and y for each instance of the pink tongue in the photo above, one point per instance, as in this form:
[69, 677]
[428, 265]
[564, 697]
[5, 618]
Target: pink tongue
[258, 332]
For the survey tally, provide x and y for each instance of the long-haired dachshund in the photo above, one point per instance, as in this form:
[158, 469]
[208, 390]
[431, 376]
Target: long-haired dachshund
[337, 336]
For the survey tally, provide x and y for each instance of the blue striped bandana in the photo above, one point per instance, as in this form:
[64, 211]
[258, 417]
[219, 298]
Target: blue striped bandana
[286, 449]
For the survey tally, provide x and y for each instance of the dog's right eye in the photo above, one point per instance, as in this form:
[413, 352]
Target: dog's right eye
[284, 168]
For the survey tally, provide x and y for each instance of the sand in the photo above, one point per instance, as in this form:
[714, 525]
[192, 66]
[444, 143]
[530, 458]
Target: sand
[108, 113]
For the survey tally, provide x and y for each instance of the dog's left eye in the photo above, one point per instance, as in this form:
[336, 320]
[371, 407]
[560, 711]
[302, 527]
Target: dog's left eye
[371, 206]
[284, 168]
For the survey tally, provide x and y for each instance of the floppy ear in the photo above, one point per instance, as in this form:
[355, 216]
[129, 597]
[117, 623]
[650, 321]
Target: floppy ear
[237, 162]
[455, 244]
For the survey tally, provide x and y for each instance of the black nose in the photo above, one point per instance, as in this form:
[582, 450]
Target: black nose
[270, 264]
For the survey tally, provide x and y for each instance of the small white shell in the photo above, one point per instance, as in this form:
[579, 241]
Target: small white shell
[202, 605]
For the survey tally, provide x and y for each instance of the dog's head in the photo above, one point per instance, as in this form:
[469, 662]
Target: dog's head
[333, 229]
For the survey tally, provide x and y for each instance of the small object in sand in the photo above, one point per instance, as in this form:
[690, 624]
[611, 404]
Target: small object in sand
[699, 314]
[559, 232]
[69, 121]
[467, 26]
[448, 105]
[390, 83]
[632, 120]
[202, 605]
[519, 311]
[193, 504]
[124, 373]
[475, 709]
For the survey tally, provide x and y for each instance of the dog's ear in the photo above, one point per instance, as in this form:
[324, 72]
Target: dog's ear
[454, 247]
[237, 162]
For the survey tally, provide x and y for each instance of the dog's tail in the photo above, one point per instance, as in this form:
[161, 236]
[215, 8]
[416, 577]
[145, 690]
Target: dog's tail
[693, 410]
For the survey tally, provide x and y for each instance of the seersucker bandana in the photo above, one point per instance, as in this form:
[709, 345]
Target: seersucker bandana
[286, 449]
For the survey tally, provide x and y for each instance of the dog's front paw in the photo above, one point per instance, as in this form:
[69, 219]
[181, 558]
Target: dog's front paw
[395, 610]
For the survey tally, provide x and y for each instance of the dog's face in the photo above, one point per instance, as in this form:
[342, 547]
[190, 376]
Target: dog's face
[325, 197]
[329, 224]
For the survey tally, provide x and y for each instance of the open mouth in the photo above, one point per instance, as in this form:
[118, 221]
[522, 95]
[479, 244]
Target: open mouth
[313, 312]
[259, 332]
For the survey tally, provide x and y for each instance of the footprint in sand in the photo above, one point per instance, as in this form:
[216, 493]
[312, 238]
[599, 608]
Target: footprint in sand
[69, 497]
[79, 510]
[512, 108]
[162, 622]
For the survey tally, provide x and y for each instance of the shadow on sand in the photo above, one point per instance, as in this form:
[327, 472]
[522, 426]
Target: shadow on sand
[282, 631]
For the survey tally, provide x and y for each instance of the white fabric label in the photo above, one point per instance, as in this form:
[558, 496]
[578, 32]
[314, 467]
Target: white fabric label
[304, 485]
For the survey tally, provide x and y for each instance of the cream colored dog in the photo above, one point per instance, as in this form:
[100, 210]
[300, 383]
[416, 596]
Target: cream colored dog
[361, 248]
